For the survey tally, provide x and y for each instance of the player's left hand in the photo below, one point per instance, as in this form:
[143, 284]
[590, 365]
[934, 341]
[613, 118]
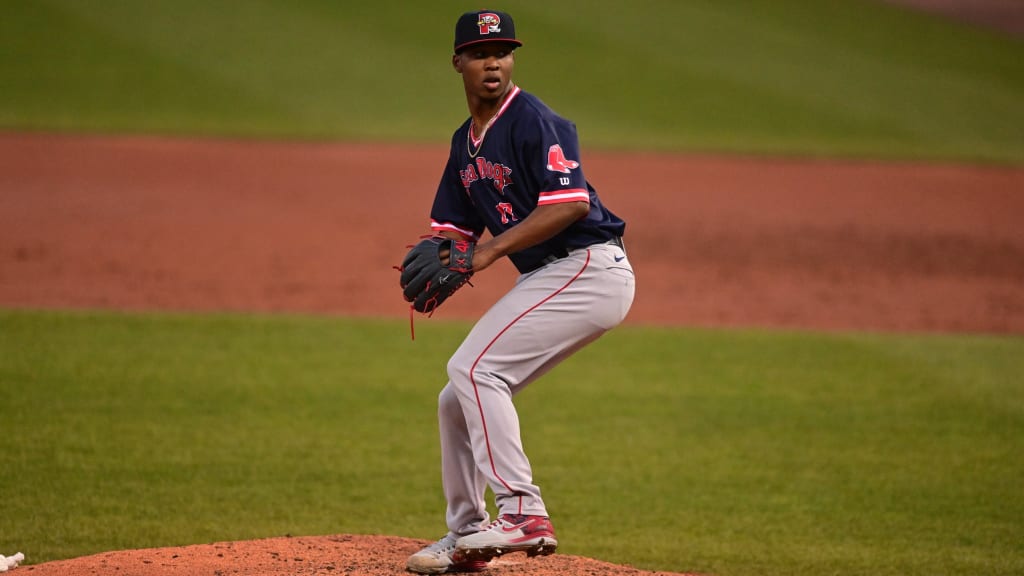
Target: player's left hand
[434, 269]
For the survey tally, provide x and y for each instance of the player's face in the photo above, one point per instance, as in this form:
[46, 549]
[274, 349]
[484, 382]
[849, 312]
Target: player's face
[486, 69]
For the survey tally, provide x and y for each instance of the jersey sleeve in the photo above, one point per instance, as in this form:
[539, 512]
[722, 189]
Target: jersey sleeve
[557, 163]
[453, 209]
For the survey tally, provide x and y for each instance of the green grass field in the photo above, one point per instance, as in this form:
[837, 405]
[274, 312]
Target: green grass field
[844, 77]
[719, 452]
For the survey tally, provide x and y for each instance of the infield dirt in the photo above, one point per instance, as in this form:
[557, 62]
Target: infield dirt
[146, 223]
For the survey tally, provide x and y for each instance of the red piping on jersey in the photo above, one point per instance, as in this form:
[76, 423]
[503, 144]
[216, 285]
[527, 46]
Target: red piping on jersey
[567, 195]
[472, 371]
[446, 226]
[476, 141]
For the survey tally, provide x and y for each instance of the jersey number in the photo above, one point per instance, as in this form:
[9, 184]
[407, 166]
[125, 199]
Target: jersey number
[505, 209]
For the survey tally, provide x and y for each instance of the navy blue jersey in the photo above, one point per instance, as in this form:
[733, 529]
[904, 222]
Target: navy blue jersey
[527, 157]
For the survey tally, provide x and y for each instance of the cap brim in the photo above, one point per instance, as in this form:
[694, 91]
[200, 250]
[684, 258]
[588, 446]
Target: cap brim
[465, 45]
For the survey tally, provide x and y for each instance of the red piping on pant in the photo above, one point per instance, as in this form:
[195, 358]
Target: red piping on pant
[472, 371]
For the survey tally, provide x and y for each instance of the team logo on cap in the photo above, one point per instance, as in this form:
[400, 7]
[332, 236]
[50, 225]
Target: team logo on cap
[489, 22]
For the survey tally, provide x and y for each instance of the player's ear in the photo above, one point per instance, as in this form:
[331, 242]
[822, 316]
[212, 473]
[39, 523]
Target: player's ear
[457, 62]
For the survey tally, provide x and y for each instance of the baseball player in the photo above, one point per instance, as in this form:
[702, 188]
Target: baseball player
[514, 171]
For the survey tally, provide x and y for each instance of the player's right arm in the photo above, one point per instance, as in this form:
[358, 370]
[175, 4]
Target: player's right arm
[542, 224]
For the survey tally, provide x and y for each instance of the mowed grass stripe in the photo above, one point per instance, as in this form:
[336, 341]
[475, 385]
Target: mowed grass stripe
[853, 77]
[720, 452]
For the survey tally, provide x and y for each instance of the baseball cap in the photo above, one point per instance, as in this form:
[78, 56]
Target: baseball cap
[484, 26]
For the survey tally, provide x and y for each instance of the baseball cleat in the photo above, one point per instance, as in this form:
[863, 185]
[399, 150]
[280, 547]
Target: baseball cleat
[509, 533]
[440, 558]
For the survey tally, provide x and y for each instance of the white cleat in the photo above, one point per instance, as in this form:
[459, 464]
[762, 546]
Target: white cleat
[440, 558]
[509, 533]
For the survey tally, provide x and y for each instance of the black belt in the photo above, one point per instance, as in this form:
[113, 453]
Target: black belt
[562, 253]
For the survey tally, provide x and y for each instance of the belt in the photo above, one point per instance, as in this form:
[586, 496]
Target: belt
[562, 253]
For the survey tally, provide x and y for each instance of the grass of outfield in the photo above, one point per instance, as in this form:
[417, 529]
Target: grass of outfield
[844, 77]
[719, 452]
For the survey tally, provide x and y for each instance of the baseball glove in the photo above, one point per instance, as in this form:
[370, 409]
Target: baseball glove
[434, 269]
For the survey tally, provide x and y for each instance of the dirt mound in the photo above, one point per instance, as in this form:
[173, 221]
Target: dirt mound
[308, 556]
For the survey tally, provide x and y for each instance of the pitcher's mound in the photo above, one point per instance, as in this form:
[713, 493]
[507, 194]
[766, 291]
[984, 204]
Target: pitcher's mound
[309, 555]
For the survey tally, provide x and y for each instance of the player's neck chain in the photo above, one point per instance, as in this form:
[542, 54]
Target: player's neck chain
[473, 145]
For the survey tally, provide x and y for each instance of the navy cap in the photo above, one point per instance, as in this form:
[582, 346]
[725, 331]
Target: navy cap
[484, 26]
